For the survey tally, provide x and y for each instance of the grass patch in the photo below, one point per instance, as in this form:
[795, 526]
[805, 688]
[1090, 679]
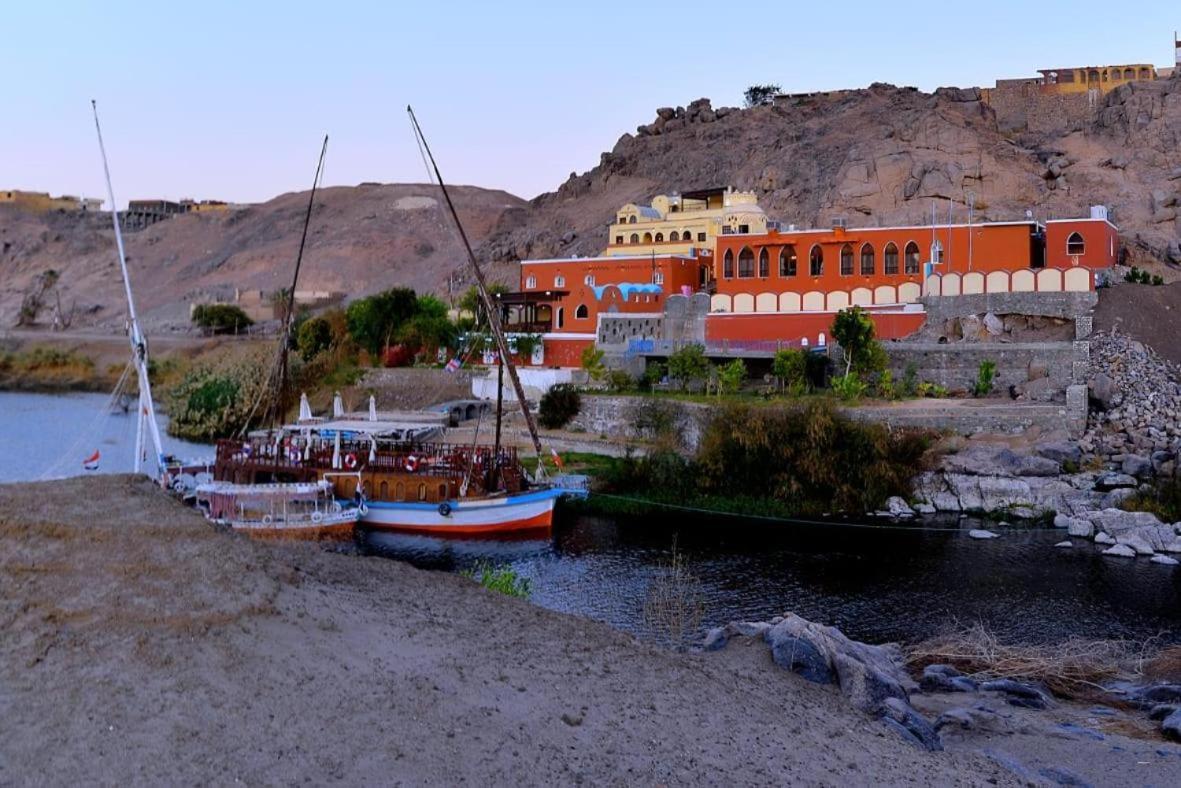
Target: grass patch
[1164, 501]
[503, 579]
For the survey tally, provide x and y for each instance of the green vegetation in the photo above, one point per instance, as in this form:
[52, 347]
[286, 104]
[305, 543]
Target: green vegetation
[1137, 276]
[761, 95]
[731, 377]
[220, 318]
[929, 389]
[776, 460]
[790, 368]
[688, 365]
[504, 579]
[314, 336]
[373, 321]
[985, 377]
[592, 362]
[526, 345]
[849, 387]
[558, 405]
[1164, 501]
[620, 382]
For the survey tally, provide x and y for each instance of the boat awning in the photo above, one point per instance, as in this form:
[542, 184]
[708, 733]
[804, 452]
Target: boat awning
[428, 425]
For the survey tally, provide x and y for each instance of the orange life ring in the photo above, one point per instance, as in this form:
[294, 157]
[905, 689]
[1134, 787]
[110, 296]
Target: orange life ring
[350, 461]
[411, 463]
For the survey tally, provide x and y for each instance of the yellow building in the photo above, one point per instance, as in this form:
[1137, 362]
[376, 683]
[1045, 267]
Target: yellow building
[1101, 78]
[684, 223]
[41, 202]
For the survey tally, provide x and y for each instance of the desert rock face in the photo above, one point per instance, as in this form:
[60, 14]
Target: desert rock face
[361, 239]
[882, 155]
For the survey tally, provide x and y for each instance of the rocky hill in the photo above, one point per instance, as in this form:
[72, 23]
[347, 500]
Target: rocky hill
[361, 239]
[882, 155]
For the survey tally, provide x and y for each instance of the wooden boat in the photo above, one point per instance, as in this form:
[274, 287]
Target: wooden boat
[282, 511]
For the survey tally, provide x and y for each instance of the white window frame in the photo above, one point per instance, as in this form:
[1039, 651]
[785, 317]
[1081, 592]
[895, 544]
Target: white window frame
[559, 281]
[658, 278]
[530, 282]
[589, 280]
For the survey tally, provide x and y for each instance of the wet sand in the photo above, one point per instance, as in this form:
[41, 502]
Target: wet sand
[140, 645]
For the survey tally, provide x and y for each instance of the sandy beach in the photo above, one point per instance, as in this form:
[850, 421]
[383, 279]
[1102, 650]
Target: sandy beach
[141, 645]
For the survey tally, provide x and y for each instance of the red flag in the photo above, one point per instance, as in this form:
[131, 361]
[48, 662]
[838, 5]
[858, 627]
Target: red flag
[91, 462]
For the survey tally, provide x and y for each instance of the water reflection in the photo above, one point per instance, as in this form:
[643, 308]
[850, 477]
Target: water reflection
[876, 584]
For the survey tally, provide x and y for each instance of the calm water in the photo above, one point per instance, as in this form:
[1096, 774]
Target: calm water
[48, 436]
[877, 584]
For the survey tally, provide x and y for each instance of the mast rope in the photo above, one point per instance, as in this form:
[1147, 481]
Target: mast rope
[91, 430]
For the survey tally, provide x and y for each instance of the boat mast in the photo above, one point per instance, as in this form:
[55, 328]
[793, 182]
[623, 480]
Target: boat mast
[146, 415]
[275, 408]
[489, 304]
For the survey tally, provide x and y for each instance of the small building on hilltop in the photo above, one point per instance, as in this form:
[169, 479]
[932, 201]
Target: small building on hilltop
[683, 223]
[42, 202]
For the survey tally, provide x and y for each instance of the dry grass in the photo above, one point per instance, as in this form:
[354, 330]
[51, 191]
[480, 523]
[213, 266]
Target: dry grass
[674, 605]
[1075, 668]
[1165, 665]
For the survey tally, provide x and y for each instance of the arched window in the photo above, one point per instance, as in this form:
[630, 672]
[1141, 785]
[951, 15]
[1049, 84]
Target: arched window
[1075, 244]
[746, 263]
[936, 251]
[847, 260]
[442, 491]
[660, 238]
[816, 261]
[647, 238]
[1129, 73]
[674, 236]
[1144, 74]
[891, 259]
[867, 260]
[764, 264]
[635, 238]
[399, 491]
[422, 492]
[728, 264]
[688, 236]
[912, 258]
[385, 491]
[1093, 75]
[631, 219]
[618, 240]
[561, 316]
[581, 312]
[787, 261]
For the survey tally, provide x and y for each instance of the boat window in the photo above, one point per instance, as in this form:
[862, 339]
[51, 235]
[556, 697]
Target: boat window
[385, 491]
[442, 492]
[399, 492]
[422, 492]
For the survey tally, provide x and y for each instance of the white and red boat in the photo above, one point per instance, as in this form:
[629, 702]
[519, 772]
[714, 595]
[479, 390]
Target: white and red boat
[514, 513]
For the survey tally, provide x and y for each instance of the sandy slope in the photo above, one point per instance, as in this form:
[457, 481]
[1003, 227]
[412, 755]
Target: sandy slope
[140, 645]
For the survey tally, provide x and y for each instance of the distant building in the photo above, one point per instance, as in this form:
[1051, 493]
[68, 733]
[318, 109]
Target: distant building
[145, 213]
[41, 202]
[681, 223]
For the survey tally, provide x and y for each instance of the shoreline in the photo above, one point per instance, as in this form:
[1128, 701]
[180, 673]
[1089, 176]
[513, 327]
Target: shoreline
[158, 648]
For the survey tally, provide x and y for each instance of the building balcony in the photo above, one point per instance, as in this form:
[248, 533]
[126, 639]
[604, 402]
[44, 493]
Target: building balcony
[533, 327]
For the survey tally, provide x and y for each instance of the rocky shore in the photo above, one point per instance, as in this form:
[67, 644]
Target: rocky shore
[140, 645]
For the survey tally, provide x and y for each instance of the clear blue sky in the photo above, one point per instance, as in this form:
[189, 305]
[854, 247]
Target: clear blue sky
[228, 100]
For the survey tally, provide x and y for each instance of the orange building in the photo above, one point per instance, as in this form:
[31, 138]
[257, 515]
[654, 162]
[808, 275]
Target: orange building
[562, 298]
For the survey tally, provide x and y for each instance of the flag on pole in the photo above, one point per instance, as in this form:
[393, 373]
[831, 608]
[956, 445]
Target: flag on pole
[91, 462]
[557, 460]
[453, 365]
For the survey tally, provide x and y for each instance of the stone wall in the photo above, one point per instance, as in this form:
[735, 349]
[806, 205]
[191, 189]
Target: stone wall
[641, 418]
[1020, 105]
[956, 366]
[619, 329]
[1057, 304]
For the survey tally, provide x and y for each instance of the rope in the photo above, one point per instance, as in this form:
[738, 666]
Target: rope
[797, 521]
[87, 434]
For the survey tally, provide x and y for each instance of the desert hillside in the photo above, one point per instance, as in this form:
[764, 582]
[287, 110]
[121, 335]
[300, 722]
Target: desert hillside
[883, 155]
[361, 239]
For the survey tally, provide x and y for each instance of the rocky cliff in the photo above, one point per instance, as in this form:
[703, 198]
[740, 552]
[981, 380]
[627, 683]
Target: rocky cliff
[882, 155]
[361, 239]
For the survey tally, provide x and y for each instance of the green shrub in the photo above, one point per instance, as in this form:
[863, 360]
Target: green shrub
[885, 385]
[1157, 280]
[220, 318]
[217, 399]
[592, 362]
[313, 337]
[619, 381]
[790, 368]
[985, 376]
[654, 372]
[929, 389]
[910, 380]
[848, 387]
[1164, 500]
[558, 405]
[731, 377]
[504, 579]
[688, 365]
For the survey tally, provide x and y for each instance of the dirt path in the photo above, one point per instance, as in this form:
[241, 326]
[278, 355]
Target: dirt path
[140, 645]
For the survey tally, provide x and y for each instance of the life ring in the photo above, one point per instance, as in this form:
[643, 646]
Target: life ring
[294, 455]
[267, 519]
[317, 517]
[445, 509]
[350, 461]
[412, 463]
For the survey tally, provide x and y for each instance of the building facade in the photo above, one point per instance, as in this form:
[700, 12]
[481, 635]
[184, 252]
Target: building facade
[682, 223]
[42, 202]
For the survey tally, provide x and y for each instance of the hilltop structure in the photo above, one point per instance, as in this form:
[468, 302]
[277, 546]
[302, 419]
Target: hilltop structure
[756, 286]
[145, 213]
[42, 202]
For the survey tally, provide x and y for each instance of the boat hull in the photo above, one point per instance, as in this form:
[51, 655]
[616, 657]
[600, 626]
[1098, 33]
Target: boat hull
[527, 512]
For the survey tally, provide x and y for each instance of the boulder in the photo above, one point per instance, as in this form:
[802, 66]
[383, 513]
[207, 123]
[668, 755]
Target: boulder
[867, 675]
[993, 324]
[917, 730]
[1060, 451]
[1079, 527]
[945, 678]
[1017, 693]
[1121, 551]
[1173, 546]
[1171, 726]
[1117, 521]
[1064, 544]
[1164, 559]
[898, 507]
[1135, 540]
[980, 533]
[1115, 481]
[1103, 538]
[978, 719]
[1138, 466]
[1103, 391]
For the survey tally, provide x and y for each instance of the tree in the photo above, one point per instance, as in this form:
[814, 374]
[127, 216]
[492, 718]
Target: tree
[592, 362]
[790, 368]
[373, 321]
[314, 336]
[854, 330]
[688, 364]
[470, 302]
[731, 377]
[760, 95]
[221, 318]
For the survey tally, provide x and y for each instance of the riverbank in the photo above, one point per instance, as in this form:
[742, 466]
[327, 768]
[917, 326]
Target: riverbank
[149, 647]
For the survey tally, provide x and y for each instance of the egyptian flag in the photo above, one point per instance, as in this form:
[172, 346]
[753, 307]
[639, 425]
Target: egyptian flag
[91, 462]
[557, 460]
[453, 365]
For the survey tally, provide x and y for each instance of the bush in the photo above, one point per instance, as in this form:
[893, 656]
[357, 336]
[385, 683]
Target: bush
[1164, 501]
[929, 389]
[220, 318]
[619, 381]
[910, 380]
[1157, 280]
[373, 321]
[314, 337]
[731, 377]
[504, 580]
[790, 368]
[687, 365]
[558, 405]
[885, 386]
[854, 330]
[654, 372]
[760, 95]
[217, 400]
[592, 362]
[849, 387]
[985, 376]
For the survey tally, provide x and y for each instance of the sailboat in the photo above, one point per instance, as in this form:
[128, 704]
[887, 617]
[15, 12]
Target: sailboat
[401, 475]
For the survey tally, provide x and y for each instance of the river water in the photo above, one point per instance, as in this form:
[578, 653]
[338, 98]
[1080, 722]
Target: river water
[877, 584]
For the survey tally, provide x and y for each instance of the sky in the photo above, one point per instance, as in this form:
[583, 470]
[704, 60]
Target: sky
[230, 100]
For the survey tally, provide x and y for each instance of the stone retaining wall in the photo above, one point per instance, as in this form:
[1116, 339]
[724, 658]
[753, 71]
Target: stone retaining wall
[957, 365]
[1054, 304]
